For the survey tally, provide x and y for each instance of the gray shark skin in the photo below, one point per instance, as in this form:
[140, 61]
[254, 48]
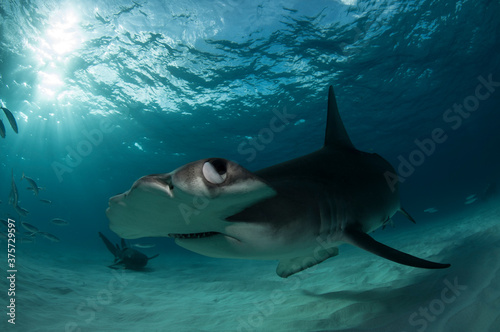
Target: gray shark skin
[297, 212]
[126, 258]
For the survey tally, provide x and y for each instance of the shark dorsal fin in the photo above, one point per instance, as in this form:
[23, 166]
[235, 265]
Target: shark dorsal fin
[109, 245]
[336, 135]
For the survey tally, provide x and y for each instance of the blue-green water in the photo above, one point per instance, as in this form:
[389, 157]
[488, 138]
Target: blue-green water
[105, 92]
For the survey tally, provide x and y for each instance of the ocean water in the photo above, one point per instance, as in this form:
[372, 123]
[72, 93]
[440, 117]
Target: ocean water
[104, 92]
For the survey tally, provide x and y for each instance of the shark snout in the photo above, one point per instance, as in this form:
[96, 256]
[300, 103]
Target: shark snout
[115, 199]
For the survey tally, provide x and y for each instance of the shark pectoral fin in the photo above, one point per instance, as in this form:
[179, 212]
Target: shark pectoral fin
[287, 267]
[117, 266]
[366, 242]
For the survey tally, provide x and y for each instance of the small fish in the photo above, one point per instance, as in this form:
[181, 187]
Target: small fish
[59, 221]
[46, 201]
[144, 245]
[31, 182]
[49, 236]
[2, 129]
[29, 227]
[13, 196]
[22, 211]
[431, 210]
[470, 201]
[38, 188]
[11, 119]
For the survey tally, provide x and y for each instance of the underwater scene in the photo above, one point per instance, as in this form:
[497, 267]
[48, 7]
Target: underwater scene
[230, 165]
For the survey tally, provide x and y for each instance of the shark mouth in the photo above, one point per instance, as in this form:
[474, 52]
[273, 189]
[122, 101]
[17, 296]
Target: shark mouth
[193, 235]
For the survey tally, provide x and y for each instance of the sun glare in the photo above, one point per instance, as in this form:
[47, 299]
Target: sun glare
[62, 37]
[49, 84]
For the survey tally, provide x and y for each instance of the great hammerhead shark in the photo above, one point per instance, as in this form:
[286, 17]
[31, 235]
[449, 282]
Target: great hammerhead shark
[297, 212]
[126, 258]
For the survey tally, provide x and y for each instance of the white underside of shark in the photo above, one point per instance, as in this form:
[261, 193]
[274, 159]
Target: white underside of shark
[298, 212]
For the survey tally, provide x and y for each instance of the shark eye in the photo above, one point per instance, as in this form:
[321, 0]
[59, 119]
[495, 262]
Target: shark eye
[215, 171]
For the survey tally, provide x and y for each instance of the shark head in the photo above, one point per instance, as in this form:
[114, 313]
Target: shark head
[191, 204]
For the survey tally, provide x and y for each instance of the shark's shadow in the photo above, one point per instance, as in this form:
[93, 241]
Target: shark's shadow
[125, 257]
[398, 305]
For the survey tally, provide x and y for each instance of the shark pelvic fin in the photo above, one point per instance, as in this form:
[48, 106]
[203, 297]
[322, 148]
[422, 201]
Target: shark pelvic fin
[287, 267]
[407, 215]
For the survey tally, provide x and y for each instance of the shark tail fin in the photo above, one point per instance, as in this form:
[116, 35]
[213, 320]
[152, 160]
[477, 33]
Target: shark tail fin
[109, 245]
[366, 242]
[336, 135]
[407, 215]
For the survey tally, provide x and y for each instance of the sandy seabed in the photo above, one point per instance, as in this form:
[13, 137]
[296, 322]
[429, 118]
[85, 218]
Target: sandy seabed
[355, 291]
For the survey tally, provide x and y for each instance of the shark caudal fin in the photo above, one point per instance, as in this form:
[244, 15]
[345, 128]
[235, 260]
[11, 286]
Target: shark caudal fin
[366, 242]
[336, 135]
